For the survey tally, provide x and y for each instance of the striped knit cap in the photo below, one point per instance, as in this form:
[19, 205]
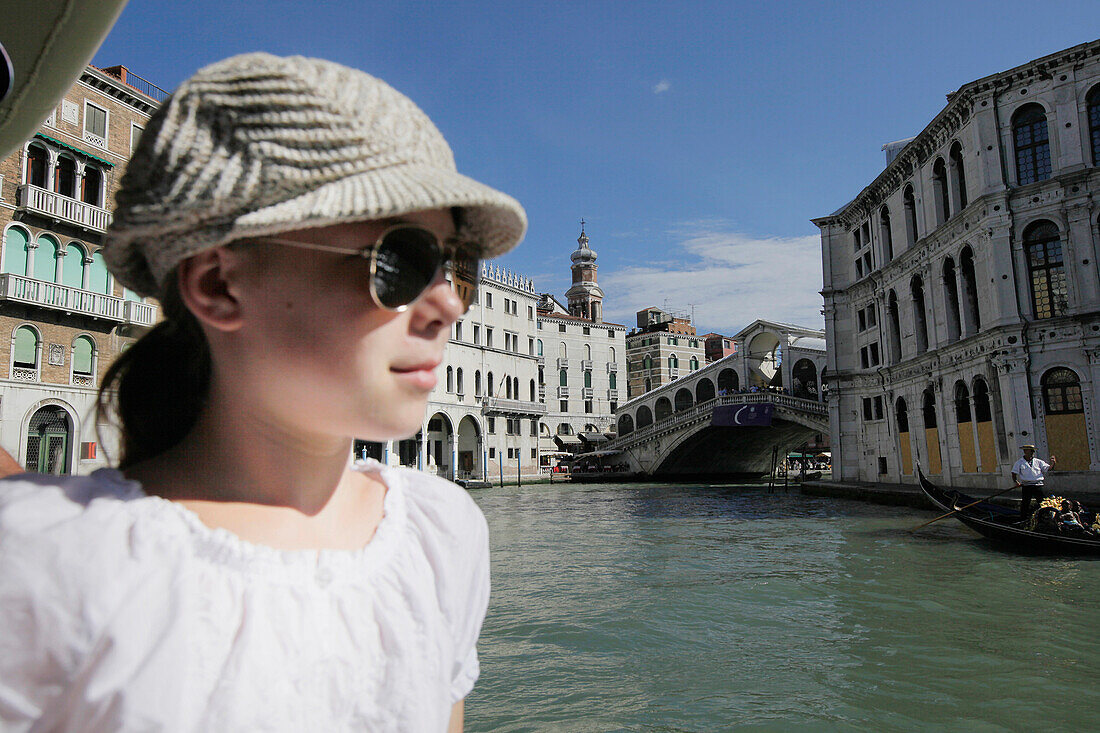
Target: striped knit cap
[257, 145]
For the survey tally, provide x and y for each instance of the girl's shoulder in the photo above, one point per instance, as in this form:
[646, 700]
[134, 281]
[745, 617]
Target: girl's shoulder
[434, 503]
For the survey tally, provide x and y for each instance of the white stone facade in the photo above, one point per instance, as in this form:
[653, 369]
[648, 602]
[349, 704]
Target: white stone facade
[962, 301]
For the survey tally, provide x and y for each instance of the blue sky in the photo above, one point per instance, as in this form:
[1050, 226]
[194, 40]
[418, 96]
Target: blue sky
[697, 139]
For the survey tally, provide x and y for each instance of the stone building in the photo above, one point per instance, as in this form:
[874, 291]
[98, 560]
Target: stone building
[63, 316]
[716, 346]
[662, 348]
[962, 300]
[582, 357]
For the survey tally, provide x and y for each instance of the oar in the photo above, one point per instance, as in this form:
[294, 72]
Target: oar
[953, 511]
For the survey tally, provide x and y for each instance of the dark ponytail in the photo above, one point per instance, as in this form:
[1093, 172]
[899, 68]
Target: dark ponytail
[155, 390]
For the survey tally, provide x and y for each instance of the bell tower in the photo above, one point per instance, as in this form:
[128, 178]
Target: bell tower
[585, 296]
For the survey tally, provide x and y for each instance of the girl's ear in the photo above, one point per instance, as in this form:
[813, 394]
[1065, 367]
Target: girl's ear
[207, 285]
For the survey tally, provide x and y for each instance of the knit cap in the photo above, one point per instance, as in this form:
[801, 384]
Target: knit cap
[256, 145]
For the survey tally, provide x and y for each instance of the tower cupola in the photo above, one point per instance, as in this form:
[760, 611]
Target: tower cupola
[585, 296]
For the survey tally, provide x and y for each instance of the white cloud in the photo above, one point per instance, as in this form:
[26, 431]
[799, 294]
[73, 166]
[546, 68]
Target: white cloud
[731, 278]
[662, 86]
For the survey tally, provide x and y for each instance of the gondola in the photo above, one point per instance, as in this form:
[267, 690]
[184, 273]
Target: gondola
[1001, 524]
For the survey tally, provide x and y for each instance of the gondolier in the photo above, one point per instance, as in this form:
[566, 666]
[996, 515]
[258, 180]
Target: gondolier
[1028, 473]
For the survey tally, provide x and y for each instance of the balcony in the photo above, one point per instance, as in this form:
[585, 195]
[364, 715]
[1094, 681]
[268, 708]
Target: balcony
[586, 393]
[541, 359]
[612, 367]
[499, 405]
[563, 363]
[35, 200]
[586, 365]
[74, 300]
[613, 394]
[563, 392]
[673, 372]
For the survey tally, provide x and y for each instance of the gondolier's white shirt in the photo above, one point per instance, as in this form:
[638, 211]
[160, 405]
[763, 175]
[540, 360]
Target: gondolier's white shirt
[1031, 472]
[123, 612]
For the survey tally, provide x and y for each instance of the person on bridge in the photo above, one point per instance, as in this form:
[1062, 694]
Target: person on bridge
[1029, 473]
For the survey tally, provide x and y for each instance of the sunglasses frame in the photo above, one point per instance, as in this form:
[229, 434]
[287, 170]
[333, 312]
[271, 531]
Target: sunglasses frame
[370, 253]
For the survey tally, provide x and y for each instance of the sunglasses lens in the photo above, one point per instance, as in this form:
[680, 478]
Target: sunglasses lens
[406, 262]
[465, 275]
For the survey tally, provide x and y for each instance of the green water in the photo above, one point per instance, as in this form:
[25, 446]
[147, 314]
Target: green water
[644, 607]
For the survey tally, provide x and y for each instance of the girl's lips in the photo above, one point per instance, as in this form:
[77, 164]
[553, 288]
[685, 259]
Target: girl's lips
[421, 376]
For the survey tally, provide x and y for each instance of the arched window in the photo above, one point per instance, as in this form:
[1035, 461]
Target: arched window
[962, 402]
[15, 251]
[673, 362]
[563, 378]
[911, 231]
[37, 165]
[951, 296]
[477, 383]
[1062, 392]
[982, 410]
[565, 429]
[1029, 135]
[515, 387]
[563, 352]
[458, 381]
[540, 347]
[612, 378]
[894, 327]
[1093, 100]
[83, 360]
[73, 272]
[704, 390]
[972, 317]
[885, 234]
[683, 399]
[694, 363]
[727, 381]
[450, 379]
[920, 315]
[626, 425]
[588, 378]
[26, 353]
[1046, 272]
[508, 388]
[928, 407]
[588, 352]
[648, 384]
[645, 417]
[939, 191]
[91, 186]
[64, 177]
[647, 362]
[902, 415]
[662, 409]
[489, 384]
[611, 354]
[532, 398]
[905, 445]
[958, 174]
[49, 436]
[45, 258]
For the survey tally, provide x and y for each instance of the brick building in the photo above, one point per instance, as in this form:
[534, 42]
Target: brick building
[64, 316]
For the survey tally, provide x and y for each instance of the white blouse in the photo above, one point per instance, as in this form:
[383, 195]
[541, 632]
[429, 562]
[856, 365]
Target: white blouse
[124, 612]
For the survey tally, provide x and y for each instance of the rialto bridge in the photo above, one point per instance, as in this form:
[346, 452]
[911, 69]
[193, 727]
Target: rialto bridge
[728, 417]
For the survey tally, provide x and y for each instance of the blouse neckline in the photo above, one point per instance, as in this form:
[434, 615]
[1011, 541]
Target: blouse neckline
[222, 546]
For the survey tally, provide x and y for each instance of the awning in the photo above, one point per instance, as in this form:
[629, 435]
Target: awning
[564, 440]
[547, 445]
[75, 149]
[594, 437]
[599, 453]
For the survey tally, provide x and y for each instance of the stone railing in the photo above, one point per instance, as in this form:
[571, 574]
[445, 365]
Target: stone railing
[502, 405]
[62, 208]
[74, 300]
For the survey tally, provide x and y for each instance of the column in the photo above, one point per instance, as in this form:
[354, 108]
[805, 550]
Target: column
[51, 169]
[1081, 280]
[454, 455]
[78, 182]
[87, 273]
[1092, 409]
[1002, 256]
[1012, 379]
[424, 447]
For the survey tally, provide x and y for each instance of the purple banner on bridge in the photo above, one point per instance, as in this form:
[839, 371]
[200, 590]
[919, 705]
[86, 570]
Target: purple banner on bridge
[759, 414]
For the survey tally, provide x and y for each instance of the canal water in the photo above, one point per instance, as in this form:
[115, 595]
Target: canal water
[702, 608]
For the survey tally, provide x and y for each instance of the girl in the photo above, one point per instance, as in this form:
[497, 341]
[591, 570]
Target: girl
[311, 244]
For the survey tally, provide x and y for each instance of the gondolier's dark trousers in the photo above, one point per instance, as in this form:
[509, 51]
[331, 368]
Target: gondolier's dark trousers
[1031, 491]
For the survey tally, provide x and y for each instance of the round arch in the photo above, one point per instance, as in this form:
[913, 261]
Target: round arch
[48, 437]
[764, 356]
[728, 381]
[645, 417]
[662, 409]
[469, 448]
[704, 390]
[626, 425]
[804, 379]
[683, 399]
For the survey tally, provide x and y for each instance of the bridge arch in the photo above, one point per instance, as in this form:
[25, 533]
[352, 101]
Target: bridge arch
[645, 417]
[704, 390]
[804, 379]
[728, 381]
[662, 409]
[626, 425]
[764, 355]
[683, 399]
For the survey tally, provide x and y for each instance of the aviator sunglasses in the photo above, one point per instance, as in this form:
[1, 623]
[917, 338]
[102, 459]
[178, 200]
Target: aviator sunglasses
[404, 262]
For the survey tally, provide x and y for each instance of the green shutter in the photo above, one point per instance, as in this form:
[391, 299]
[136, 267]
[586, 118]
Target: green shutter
[73, 275]
[26, 347]
[45, 259]
[82, 355]
[588, 379]
[563, 378]
[98, 281]
[15, 251]
[611, 380]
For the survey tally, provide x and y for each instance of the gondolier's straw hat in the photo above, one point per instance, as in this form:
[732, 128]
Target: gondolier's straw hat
[1029, 446]
[257, 144]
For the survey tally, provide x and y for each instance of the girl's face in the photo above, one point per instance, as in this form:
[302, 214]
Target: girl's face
[315, 350]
